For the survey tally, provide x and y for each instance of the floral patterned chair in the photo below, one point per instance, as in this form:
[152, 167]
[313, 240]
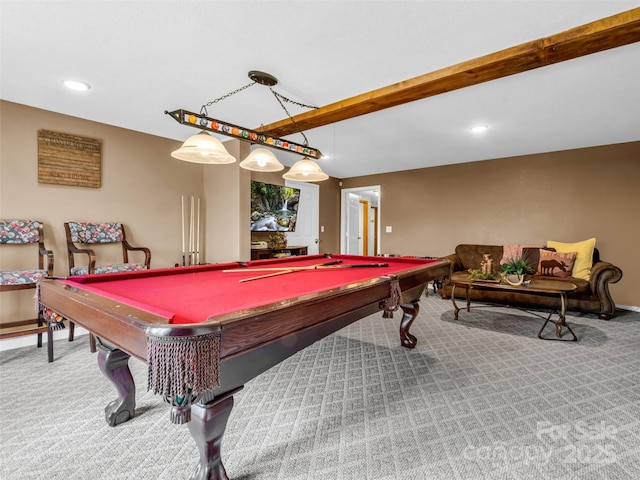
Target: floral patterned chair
[28, 233]
[93, 235]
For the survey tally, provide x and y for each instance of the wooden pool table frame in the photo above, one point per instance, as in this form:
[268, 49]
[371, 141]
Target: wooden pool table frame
[252, 341]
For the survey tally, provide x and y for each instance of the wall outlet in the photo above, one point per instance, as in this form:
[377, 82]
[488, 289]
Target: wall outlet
[388, 229]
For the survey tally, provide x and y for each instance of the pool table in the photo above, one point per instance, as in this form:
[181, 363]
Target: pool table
[206, 330]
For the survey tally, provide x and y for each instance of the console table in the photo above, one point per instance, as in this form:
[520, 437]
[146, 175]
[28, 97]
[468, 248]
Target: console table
[262, 253]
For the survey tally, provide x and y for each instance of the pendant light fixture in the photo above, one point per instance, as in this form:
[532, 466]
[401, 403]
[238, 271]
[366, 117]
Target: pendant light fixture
[305, 170]
[262, 160]
[203, 148]
[206, 149]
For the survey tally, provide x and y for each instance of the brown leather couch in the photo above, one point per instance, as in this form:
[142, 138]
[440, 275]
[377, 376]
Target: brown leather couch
[592, 296]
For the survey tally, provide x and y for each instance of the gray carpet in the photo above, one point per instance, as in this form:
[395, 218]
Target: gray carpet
[478, 398]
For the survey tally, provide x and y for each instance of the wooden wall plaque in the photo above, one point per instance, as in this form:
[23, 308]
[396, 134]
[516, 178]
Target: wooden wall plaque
[69, 159]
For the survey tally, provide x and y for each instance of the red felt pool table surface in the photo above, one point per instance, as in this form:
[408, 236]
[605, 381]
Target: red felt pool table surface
[194, 294]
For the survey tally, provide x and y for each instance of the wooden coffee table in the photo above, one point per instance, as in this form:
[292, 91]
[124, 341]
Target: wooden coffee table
[537, 286]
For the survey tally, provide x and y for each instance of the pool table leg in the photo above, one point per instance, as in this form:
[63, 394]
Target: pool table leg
[207, 426]
[409, 314]
[114, 364]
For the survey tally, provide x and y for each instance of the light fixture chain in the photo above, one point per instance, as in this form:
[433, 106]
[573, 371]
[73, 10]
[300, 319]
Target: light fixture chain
[288, 100]
[277, 95]
[203, 109]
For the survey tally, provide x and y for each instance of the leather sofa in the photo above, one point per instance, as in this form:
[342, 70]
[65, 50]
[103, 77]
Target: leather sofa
[592, 296]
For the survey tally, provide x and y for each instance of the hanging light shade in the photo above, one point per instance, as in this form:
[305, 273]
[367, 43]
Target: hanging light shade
[305, 170]
[203, 148]
[261, 160]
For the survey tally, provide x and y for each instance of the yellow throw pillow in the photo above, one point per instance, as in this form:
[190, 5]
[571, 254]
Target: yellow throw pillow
[584, 255]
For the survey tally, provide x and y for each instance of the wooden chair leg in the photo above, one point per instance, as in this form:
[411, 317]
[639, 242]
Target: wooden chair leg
[49, 343]
[92, 343]
[41, 322]
[71, 330]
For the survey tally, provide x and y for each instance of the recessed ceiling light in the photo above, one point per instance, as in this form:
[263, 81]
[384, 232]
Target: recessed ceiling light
[76, 85]
[479, 128]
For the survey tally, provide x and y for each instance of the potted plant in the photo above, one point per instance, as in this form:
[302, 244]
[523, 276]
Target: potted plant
[277, 240]
[514, 271]
[481, 276]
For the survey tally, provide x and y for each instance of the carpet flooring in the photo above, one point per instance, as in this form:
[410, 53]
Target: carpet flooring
[478, 398]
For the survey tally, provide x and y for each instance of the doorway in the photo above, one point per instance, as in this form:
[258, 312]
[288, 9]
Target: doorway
[359, 226]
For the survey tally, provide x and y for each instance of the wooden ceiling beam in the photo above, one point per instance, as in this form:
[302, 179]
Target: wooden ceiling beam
[611, 32]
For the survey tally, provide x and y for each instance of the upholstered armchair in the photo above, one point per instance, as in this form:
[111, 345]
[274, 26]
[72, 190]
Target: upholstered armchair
[23, 235]
[92, 235]
[84, 239]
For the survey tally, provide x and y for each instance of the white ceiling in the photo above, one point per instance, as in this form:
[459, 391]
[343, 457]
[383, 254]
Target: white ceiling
[144, 57]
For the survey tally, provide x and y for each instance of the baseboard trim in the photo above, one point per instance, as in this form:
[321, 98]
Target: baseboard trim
[30, 340]
[628, 307]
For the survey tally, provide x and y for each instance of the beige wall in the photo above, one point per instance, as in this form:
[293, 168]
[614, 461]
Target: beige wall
[228, 200]
[141, 184]
[141, 187]
[566, 196]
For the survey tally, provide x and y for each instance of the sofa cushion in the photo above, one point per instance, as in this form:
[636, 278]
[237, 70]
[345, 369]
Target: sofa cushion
[471, 255]
[531, 255]
[556, 264]
[516, 252]
[584, 255]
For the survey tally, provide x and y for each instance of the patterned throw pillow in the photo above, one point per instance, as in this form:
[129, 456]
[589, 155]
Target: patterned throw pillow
[517, 252]
[556, 264]
[584, 255]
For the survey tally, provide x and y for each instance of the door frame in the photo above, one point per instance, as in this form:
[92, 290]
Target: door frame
[344, 193]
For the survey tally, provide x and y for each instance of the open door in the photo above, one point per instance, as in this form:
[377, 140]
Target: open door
[352, 221]
[360, 209]
[307, 229]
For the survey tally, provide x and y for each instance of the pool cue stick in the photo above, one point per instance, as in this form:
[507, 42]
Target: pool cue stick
[198, 234]
[191, 231]
[266, 275]
[283, 272]
[279, 269]
[311, 267]
[182, 228]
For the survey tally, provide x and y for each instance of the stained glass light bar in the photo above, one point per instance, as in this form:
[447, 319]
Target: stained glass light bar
[241, 133]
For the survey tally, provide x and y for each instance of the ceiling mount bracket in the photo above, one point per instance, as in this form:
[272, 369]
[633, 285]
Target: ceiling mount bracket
[263, 78]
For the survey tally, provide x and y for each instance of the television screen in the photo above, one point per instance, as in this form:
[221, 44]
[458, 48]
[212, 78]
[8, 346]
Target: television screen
[274, 208]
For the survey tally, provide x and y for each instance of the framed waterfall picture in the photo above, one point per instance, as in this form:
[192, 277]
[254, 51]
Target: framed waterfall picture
[274, 208]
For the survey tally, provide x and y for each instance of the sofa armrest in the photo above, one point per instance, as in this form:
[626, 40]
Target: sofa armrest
[454, 260]
[455, 265]
[602, 274]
